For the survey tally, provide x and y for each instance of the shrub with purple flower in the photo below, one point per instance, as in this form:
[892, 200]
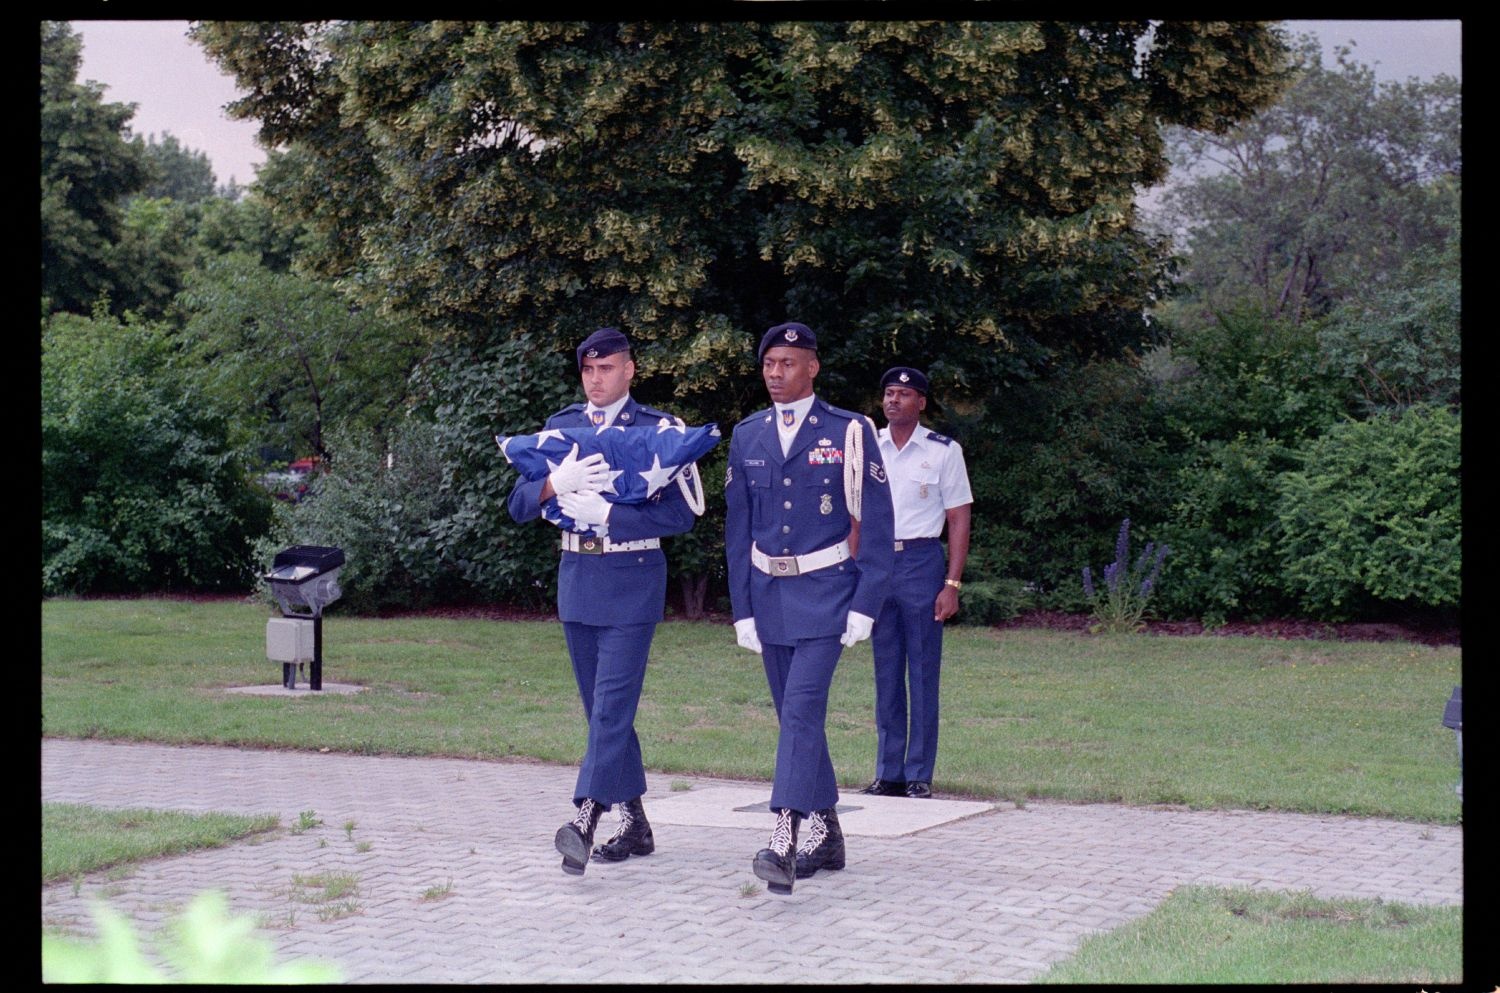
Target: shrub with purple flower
[1121, 603]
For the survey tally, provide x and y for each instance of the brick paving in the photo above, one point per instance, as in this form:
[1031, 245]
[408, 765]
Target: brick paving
[993, 897]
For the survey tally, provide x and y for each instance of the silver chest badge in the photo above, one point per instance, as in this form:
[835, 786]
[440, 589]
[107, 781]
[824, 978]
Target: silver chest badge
[826, 507]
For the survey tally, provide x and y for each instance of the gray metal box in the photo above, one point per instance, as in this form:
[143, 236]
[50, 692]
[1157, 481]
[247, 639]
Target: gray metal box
[289, 639]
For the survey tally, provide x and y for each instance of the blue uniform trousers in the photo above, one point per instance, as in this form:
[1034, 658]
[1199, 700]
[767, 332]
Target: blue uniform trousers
[610, 666]
[799, 676]
[908, 645]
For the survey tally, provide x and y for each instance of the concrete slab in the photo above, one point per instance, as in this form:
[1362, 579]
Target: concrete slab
[870, 816]
[300, 690]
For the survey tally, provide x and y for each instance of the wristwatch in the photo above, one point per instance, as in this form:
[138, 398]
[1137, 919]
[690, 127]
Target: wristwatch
[953, 583]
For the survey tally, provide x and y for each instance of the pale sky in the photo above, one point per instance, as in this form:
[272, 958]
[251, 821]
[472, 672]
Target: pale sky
[176, 88]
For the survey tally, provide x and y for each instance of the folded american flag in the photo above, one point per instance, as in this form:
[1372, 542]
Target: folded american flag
[642, 459]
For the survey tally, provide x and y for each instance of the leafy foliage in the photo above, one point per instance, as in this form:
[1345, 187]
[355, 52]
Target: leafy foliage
[292, 353]
[87, 169]
[1402, 343]
[204, 945]
[1318, 197]
[1373, 516]
[1223, 530]
[1054, 466]
[943, 189]
[177, 172]
[381, 506]
[143, 486]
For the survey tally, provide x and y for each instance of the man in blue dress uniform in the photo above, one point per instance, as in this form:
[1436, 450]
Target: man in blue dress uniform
[611, 587]
[808, 537]
[929, 489]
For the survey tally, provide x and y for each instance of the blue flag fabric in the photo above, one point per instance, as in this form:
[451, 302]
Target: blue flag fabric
[642, 460]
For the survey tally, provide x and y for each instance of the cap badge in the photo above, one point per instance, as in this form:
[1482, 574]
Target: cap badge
[790, 334]
[592, 353]
[904, 378]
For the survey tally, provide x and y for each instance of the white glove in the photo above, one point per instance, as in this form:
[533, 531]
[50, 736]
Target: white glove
[857, 628]
[744, 633]
[586, 507]
[573, 475]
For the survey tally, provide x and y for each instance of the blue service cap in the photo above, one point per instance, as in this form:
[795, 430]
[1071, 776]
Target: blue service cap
[790, 335]
[903, 375]
[605, 341]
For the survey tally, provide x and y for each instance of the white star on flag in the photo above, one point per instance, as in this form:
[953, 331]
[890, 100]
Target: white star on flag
[658, 475]
[666, 424]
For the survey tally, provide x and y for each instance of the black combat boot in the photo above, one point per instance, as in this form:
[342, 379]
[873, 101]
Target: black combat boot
[823, 847]
[633, 837]
[575, 839]
[777, 864]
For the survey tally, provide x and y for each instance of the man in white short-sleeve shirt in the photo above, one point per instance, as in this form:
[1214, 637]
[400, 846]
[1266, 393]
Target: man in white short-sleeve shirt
[929, 490]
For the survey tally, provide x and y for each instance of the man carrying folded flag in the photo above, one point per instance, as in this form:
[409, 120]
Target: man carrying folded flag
[616, 477]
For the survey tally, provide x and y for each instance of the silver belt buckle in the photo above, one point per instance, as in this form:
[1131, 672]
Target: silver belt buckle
[591, 546]
[783, 565]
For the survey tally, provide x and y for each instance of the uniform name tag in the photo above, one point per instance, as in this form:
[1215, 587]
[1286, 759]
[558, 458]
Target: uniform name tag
[825, 456]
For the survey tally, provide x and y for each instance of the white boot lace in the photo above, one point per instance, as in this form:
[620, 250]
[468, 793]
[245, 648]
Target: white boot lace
[817, 831]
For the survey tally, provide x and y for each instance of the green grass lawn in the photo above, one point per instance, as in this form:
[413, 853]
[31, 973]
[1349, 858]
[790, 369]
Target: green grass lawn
[1204, 721]
[78, 839]
[1205, 935]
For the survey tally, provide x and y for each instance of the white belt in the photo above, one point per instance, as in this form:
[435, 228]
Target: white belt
[792, 565]
[602, 546]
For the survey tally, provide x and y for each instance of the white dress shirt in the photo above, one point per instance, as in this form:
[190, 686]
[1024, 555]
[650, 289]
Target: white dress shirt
[928, 478]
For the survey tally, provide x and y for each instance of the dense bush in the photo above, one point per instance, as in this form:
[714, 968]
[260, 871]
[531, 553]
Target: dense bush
[378, 503]
[1372, 519]
[1224, 533]
[143, 487]
[1401, 345]
[1055, 465]
[506, 387]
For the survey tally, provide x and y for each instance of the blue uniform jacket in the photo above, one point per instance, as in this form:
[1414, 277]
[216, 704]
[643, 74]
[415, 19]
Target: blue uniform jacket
[621, 587]
[793, 505]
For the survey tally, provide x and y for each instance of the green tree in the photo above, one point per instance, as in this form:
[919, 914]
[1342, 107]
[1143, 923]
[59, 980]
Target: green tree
[156, 248]
[177, 172]
[88, 168]
[957, 194]
[246, 224]
[291, 354]
[143, 485]
[937, 188]
[1401, 344]
[1319, 198]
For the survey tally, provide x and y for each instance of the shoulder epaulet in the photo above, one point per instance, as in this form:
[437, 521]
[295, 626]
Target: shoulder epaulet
[759, 415]
[941, 439]
[643, 412]
[841, 412]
